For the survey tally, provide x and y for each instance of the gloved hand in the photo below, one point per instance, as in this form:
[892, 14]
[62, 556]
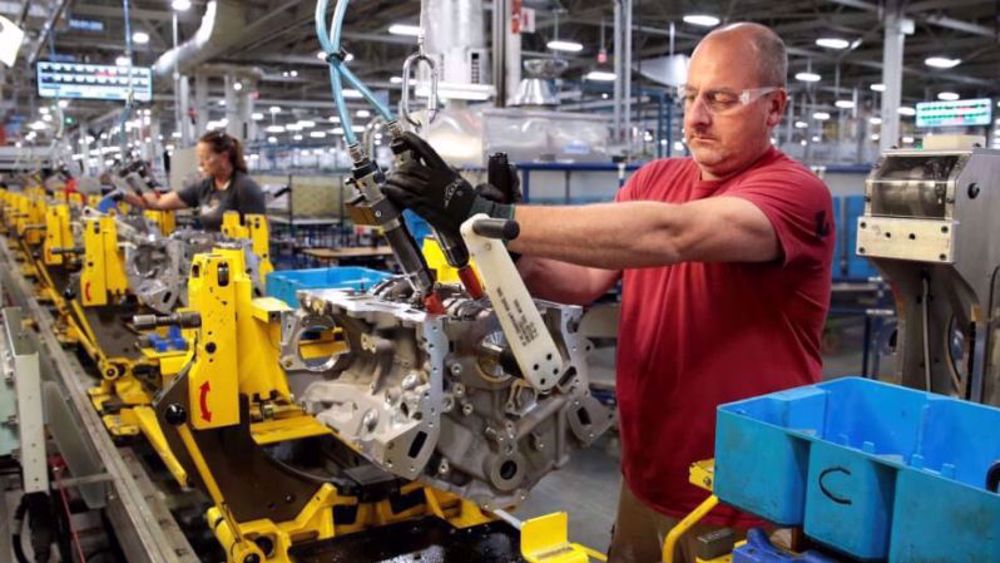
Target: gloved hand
[435, 191]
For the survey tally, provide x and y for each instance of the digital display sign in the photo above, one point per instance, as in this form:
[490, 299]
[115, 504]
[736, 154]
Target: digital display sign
[959, 113]
[94, 82]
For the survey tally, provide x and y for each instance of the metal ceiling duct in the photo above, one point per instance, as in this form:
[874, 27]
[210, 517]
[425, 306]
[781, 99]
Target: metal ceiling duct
[222, 26]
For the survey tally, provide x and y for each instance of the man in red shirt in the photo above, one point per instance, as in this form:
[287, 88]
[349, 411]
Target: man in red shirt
[724, 260]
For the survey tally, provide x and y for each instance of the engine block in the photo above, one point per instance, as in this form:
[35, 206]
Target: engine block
[439, 398]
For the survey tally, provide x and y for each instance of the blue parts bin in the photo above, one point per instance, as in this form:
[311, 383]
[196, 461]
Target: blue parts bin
[872, 470]
[284, 284]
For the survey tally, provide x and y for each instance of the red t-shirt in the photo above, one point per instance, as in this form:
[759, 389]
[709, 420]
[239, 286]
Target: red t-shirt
[696, 335]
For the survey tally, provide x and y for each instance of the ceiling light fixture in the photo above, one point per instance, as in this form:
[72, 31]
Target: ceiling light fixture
[702, 20]
[875, 120]
[877, 87]
[140, 37]
[821, 116]
[844, 104]
[807, 77]
[833, 43]
[564, 46]
[801, 125]
[600, 76]
[405, 29]
[948, 96]
[942, 62]
[907, 111]
[181, 5]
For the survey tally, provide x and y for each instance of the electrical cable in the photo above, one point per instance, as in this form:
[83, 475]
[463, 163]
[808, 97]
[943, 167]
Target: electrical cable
[69, 516]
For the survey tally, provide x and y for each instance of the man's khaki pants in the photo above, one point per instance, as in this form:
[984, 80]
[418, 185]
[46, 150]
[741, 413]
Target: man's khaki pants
[639, 533]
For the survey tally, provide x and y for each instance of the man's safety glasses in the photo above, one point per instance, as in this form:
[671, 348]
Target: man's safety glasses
[723, 100]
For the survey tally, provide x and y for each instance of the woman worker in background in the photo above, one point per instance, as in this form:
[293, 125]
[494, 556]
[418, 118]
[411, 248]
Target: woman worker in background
[226, 187]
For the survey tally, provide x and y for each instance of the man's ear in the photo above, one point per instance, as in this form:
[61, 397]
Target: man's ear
[776, 107]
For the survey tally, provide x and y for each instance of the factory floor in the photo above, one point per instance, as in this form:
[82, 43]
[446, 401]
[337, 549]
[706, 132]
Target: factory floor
[587, 488]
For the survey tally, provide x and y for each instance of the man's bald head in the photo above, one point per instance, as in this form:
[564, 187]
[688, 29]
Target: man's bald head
[766, 48]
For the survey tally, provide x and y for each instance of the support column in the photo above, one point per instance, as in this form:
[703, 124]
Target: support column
[186, 129]
[627, 72]
[234, 124]
[200, 102]
[892, 73]
[619, 41]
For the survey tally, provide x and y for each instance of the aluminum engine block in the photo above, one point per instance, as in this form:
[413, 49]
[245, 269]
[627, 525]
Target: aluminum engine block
[438, 397]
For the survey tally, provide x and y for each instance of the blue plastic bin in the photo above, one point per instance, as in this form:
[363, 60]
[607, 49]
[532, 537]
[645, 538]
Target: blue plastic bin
[284, 284]
[858, 267]
[869, 469]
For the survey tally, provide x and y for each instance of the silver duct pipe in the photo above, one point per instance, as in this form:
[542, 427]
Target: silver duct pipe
[222, 26]
[455, 35]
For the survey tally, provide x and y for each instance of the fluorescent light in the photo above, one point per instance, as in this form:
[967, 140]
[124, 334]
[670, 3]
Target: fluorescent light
[821, 116]
[222, 102]
[333, 119]
[338, 131]
[948, 96]
[395, 80]
[122, 61]
[293, 73]
[565, 46]
[293, 127]
[844, 104]
[317, 134]
[358, 128]
[63, 104]
[257, 116]
[321, 55]
[808, 77]
[306, 124]
[877, 87]
[38, 126]
[272, 140]
[237, 86]
[43, 110]
[907, 140]
[459, 91]
[600, 76]
[942, 62]
[47, 118]
[174, 135]
[275, 129]
[815, 138]
[274, 109]
[140, 37]
[363, 113]
[906, 110]
[404, 29]
[801, 125]
[181, 5]
[297, 137]
[875, 120]
[703, 20]
[875, 136]
[352, 94]
[804, 142]
[833, 43]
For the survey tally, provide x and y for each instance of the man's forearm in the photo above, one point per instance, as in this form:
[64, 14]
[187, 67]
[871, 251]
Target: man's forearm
[610, 236]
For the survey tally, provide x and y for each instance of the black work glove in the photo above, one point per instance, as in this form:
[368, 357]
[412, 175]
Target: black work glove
[435, 191]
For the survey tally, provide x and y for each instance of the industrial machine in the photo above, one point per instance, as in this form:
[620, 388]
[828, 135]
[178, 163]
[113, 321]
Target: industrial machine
[927, 213]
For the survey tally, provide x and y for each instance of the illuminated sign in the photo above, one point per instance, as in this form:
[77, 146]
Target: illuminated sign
[95, 82]
[959, 113]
